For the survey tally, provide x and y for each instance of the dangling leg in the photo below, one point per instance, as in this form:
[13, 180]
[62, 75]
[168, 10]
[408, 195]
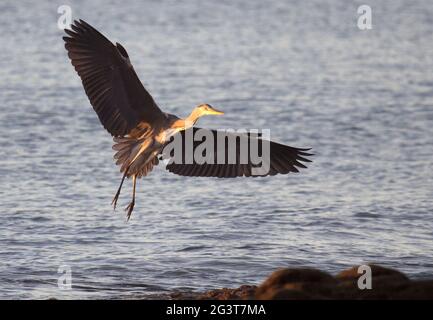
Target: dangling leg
[116, 197]
[130, 206]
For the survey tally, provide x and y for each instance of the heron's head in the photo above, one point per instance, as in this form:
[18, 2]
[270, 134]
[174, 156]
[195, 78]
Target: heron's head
[199, 111]
[207, 109]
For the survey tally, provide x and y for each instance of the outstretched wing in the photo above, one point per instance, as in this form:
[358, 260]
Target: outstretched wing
[110, 82]
[239, 156]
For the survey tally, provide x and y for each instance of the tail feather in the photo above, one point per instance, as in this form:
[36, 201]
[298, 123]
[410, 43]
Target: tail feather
[126, 157]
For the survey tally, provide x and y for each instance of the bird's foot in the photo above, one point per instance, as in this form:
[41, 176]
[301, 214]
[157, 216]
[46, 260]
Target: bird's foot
[114, 201]
[129, 209]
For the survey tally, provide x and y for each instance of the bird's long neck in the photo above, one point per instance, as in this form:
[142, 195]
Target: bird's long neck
[188, 122]
[192, 118]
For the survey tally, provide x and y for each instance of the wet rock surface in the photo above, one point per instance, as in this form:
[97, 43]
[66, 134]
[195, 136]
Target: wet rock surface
[307, 284]
[242, 293]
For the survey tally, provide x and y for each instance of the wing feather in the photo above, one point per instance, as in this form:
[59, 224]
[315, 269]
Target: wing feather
[109, 80]
[283, 159]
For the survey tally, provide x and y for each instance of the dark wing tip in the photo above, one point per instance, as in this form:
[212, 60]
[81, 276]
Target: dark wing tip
[79, 27]
[302, 152]
[301, 156]
[82, 22]
[122, 50]
[71, 33]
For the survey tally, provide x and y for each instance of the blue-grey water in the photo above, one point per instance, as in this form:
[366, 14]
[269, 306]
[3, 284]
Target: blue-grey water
[362, 99]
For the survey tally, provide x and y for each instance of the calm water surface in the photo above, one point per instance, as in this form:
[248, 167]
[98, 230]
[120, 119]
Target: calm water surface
[363, 100]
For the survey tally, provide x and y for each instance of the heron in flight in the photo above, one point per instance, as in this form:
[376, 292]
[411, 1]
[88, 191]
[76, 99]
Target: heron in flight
[141, 130]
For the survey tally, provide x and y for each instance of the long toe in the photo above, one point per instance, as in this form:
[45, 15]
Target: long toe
[114, 201]
[129, 209]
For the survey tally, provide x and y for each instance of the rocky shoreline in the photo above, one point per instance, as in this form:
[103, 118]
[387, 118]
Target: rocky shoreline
[308, 284]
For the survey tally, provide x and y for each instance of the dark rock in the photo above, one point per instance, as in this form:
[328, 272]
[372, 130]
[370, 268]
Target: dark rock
[419, 290]
[305, 280]
[243, 292]
[377, 272]
[385, 283]
[305, 284]
[284, 293]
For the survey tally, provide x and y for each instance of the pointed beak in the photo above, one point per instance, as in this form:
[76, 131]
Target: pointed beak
[214, 111]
